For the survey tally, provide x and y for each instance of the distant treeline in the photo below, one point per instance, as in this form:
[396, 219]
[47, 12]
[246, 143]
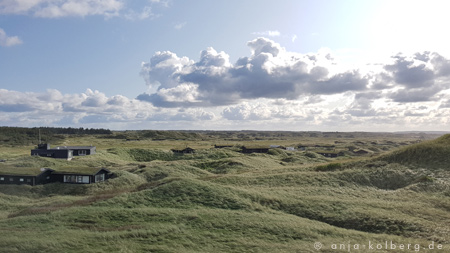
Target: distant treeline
[28, 136]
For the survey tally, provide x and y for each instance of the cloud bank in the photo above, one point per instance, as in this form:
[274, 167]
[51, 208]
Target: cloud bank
[88, 108]
[274, 73]
[80, 8]
[272, 89]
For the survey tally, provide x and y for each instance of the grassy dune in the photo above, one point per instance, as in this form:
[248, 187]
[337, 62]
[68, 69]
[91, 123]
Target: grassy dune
[220, 200]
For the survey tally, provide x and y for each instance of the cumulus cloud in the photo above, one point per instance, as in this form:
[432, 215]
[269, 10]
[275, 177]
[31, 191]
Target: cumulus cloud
[411, 72]
[271, 88]
[418, 77]
[56, 8]
[80, 8]
[8, 41]
[270, 72]
[266, 110]
[90, 107]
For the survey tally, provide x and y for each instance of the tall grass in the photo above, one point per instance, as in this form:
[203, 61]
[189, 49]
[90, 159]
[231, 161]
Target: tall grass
[226, 201]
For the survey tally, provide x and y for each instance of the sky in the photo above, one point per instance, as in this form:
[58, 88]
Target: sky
[292, 65]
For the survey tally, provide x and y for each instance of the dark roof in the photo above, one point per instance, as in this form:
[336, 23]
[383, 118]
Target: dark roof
[80, 171]
[256, 147]
[74, 147]
[22, 171]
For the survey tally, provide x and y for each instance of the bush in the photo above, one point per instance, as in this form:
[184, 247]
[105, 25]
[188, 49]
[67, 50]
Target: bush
[311, 155]
[329, 167]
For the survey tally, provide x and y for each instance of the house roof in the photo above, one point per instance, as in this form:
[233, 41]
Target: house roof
[255, 147]
[22, 171]
[326, 152]
[74, 147]
[80, 171]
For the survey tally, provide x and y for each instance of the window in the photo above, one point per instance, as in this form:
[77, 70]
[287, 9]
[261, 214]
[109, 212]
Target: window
[76, 179]
[28, 180]
[84, 180]
[70, 179]
[81, 152]
[2, 179]
[21, 179]
[99, 177]
[11, 179]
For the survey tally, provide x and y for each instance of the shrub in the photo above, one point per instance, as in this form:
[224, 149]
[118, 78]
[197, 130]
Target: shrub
[329, 167]
[311, 155]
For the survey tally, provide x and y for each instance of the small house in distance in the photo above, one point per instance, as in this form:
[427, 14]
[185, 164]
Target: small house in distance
[80, 175]
[249, 150]
[329, 154]
[184, 151]
[28, 176]
[223, 146]
[62, 152]
[80, 150]
[45, 151]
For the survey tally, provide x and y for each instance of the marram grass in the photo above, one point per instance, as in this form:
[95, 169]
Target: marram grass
[226, 201]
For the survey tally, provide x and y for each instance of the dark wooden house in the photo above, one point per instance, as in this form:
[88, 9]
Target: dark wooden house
[80, 150]
[80, 175]
[28, 176]
[45, 151]
[184, 151]
[329, 154]
[248, 150]
[63, 152]
[223, 146]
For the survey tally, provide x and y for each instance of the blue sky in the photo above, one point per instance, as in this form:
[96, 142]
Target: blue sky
[263, 65]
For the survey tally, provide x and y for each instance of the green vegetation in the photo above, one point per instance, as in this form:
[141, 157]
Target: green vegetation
[221, 200]
[28, 136]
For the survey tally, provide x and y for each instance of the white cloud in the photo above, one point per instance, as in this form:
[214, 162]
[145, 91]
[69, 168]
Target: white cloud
[370, 111]
[180, 25]
[92, 108]
[270, 72]
[145, 13]
[269, 33]
[165, 3]
[81, 8]
[8, 41]
[294, 38]
[273, 72]
[62, 8]
[270, 89]
[276, 86]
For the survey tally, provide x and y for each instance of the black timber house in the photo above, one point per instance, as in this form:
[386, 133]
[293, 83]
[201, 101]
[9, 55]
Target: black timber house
[63, 152]
[81, 175]
[330, 154]
[187, 150]
[35, 176]
[28, 176]
[249, 150]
